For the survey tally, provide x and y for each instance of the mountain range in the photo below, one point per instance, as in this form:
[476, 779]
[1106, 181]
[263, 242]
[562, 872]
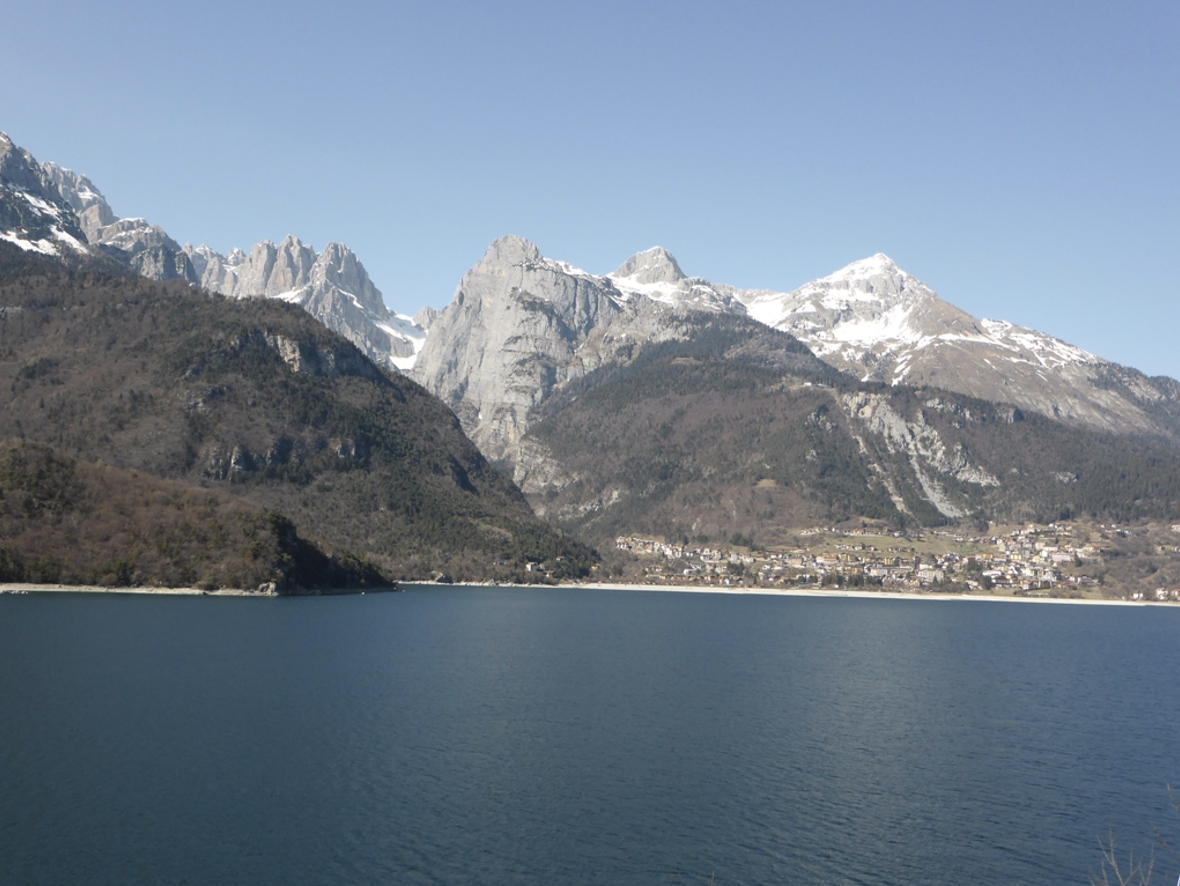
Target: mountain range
[870, 318]
[55, 210]
[646, 397]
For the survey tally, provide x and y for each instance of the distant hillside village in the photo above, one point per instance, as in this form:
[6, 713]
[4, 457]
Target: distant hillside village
[1057, 560]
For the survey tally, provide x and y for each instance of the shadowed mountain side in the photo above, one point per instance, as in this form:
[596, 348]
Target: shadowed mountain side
[70, 522]
[257, 398]
[687, 445]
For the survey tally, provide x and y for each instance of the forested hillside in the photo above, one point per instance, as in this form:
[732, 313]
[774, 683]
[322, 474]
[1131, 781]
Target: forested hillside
[256, 398]
[684, 444]
[71, 522]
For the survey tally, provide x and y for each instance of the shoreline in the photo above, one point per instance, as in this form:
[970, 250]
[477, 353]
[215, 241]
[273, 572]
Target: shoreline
[22, 588]
[886, 595]
[790, 592]
[32, 588]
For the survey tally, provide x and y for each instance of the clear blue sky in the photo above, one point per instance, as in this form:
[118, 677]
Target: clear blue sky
[1020, 157]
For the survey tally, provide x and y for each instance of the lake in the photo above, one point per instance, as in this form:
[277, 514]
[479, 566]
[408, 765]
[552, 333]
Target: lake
[509, 735]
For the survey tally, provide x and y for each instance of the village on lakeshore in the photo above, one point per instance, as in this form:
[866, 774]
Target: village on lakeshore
[1057, 560]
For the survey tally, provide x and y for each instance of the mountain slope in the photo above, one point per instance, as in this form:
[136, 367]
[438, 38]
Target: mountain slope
[64, 521]
[879, 323]
[52, 209]
[332, 286]
[870, 318]
[646, 400]
[689, 444]
[257, 398]
[32, 216]
[522, 326]
[523, 329]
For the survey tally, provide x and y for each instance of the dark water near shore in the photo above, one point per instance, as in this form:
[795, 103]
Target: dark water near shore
[460, 736]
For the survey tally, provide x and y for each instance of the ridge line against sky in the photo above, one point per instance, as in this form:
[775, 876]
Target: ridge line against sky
[1018, 158]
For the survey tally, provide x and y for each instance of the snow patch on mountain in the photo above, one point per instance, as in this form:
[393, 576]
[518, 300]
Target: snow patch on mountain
[655, 274]
[32, 215]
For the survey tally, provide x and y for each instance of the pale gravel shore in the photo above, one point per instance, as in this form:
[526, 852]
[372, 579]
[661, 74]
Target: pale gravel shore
[886, 595]
[28, 588]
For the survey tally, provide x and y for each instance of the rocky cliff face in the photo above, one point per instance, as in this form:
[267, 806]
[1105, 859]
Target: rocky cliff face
[32, 214]
[928, 454]
[143, 247]
[522, 327]
[512, 332]
[332, 286]
[83, 197]
[870, 319]
[47, 207]
[655, 274]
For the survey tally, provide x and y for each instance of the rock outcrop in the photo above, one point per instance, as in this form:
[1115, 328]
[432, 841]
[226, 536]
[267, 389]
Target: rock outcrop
[48, 207]
[520, 327]
[89, 205]
[32, 214]
[332, 286]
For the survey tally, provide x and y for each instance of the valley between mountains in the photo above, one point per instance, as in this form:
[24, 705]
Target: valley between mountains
[547, 413]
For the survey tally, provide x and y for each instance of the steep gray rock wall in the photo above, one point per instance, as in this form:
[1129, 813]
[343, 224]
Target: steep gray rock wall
[512, 332]
[522, 328]
[332, 286]
[83, 197]
[923, 446]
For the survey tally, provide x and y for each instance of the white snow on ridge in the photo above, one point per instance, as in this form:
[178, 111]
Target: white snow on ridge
[43, 206]
[663, 292]
[566, 268]
[1051, 352]
[69, 239]
[893, 325]
[688, 291]
[52, 214]
[403, 327]
[42, 246]
[770, 308]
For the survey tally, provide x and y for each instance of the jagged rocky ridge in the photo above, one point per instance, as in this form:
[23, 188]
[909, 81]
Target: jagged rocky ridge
[531, 348]
[879, 323]
[520, 326]
[32, 214]
[525, 336]
[46, 207]
[870, 318]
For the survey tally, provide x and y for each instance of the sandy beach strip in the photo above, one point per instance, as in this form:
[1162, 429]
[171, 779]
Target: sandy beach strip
[29, 588]
[870, 595]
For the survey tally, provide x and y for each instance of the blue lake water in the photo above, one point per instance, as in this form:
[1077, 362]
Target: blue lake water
[495, 736]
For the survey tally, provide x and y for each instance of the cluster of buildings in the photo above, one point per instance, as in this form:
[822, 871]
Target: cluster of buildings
[1037, 560]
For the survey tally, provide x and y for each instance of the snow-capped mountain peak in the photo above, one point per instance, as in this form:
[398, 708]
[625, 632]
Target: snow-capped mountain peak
[655, 265]
[875, 278]
[655, 274]
[33, 215]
